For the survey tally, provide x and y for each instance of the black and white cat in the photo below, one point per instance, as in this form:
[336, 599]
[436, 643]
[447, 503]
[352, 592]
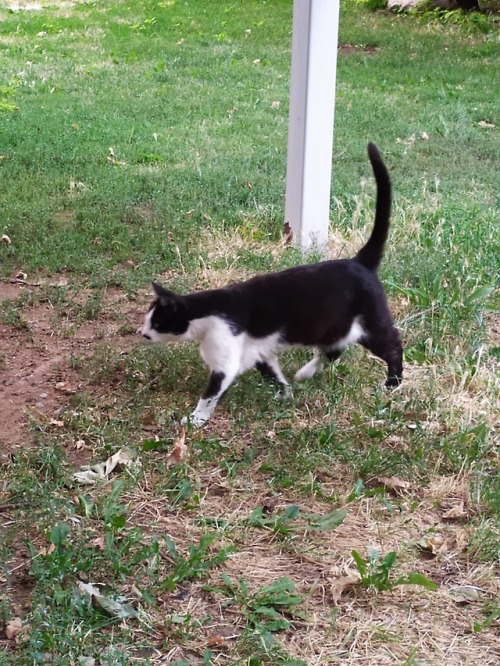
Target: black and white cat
[328, 305]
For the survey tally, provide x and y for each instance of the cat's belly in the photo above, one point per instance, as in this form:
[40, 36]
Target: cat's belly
[223, 351]
[254, 350]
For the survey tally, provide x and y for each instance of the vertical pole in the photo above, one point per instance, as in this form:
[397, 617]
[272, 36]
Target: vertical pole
[310, 124]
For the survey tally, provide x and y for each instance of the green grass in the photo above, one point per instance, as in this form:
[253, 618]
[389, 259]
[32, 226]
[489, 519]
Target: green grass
[139, 139]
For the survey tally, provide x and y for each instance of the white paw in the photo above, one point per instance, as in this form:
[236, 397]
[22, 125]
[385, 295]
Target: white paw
[284, 393]
[195, 420]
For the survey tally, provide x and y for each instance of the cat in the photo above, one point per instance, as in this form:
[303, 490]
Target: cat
[327, 305]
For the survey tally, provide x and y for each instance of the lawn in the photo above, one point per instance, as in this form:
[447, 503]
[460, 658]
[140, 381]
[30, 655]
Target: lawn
[147, 140]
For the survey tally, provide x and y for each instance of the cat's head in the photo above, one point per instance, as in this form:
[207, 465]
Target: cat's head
[166, 320]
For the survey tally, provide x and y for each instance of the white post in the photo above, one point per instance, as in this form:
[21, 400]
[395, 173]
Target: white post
[310, 125]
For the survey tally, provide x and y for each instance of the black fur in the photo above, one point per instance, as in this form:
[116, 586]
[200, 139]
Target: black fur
[314, 305]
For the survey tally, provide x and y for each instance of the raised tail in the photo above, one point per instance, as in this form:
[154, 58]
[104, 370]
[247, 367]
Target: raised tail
[371, 254]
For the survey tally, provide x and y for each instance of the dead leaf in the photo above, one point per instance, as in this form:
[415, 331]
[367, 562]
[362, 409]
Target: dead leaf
[275, 104]
[485, 125]
[395, 485]
[113, 607]
[101, 471]
[424, 136]
[216, 641]
[462, 539]
[455, 512]
[14, 628]
[270, 504]
[98, 542]
[47, 550]
[464, 594]
[178, 454]
[57, 424]
[433, 545]
[6, 239]
[62, 388]
[180, 42]
[343, 583]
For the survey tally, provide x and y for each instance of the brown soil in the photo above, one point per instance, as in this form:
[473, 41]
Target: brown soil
[36, 373]
[37, 380]
[348, 49]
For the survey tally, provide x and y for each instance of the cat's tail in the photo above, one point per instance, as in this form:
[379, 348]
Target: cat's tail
[371, 254]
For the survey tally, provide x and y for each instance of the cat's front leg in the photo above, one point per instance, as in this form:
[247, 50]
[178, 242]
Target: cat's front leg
[217, 385]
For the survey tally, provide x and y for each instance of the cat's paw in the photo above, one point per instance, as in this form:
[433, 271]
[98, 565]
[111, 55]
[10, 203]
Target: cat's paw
[194, 420]
[285, 393]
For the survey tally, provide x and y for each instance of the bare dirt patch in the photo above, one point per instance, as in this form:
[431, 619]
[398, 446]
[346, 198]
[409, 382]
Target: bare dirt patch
[37, 381]
[349, 49]
[37, 376]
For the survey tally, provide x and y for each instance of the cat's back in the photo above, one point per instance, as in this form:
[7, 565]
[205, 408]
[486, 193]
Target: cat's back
[306, 279]
[279, 301]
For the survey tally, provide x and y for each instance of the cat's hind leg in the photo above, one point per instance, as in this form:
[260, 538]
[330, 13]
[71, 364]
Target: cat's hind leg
[317, 363]
[387, 346]
[270, 369]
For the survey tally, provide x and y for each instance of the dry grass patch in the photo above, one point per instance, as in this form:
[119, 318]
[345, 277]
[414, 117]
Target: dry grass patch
[363, 625]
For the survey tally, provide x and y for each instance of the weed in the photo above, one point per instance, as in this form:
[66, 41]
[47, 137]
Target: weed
[265, 613]
[473, 21]
[11, 314]
[376, 572]
[199, 559]
[492, 613]
[280, 524]
[372, 5]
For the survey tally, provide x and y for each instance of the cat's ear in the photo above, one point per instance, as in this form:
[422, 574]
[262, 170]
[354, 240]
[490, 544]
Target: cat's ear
[165, 296]
[161, 292]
